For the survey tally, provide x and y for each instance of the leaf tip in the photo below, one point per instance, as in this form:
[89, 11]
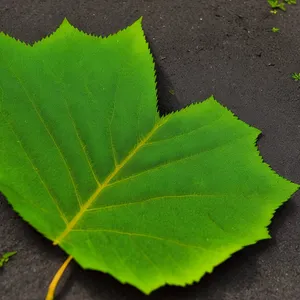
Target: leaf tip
[65, 24]
[213, 100]
[138, 24]
[140, 20]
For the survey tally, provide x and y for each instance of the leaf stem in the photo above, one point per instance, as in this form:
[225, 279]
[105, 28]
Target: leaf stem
[56, 278]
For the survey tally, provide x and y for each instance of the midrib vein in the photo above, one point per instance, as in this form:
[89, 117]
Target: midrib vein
[101, 187]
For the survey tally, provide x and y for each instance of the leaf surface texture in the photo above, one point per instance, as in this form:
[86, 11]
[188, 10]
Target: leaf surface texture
[86, 159]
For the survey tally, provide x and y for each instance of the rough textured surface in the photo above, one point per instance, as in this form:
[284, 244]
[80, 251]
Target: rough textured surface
[220, 47]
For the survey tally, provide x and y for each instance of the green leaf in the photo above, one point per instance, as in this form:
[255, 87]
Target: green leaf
[275, 29]
[275, 4]
[296, 76]
[87, 160]
[291, 2]
[5, 258]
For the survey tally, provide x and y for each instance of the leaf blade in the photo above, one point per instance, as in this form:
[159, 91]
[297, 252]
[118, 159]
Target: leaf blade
[177, 188]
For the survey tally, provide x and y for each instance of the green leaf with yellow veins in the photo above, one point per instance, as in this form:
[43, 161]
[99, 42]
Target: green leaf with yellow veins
[87, 160]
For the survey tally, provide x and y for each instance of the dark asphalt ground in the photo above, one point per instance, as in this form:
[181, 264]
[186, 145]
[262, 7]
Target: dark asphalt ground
[219, 47]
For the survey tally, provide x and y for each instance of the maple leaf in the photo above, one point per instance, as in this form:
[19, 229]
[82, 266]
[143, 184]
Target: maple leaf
[87, 161]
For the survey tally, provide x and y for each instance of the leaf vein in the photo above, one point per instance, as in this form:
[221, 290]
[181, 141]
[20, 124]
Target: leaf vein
[150, 200]
[48, 132]
[59, 80]
[148, 258]
[166, 164]
[111, 121]
[143, 235]
[116, 251]
[82, 145]
[95, 194]
[36, 170]
[213, 123]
